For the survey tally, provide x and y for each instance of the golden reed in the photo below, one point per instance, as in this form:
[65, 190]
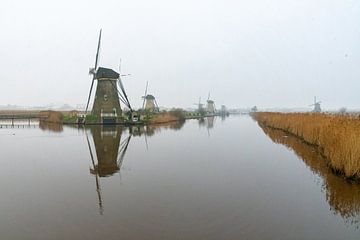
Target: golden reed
[336, 136]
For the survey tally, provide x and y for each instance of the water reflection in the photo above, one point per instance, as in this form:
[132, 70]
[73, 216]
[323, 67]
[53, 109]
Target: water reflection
[52, 127]
[207, 122]
[111, 144]
[201, 122]
[210, 122]
[150, 130]
[342, 195]
[107, 143]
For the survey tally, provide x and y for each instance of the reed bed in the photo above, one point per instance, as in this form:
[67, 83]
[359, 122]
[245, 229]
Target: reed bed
[336, 136]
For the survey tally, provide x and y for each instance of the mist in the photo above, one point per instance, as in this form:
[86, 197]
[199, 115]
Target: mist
[267, 53]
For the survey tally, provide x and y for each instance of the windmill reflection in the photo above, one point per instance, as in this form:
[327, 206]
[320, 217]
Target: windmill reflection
[201, 122]
[210, 122]
[110, 149]
[110, 153]
[343, 196]
[207, 122]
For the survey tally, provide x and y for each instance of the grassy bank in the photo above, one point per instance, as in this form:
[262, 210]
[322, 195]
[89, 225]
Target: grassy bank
[336, 137]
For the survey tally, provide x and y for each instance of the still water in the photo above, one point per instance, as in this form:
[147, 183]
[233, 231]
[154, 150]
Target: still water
[202, 179]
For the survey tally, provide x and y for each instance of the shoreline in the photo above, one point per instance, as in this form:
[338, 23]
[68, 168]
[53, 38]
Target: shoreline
[326, 133]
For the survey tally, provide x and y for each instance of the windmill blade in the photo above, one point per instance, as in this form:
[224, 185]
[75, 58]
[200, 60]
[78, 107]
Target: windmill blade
[156, 104]
[143, 105]
[94, 73]
[98, 50]
[121, 97]
[125, 95]
[123, 150]
[97, 182]
[146, 142]
[147, 83]
[89, 146]
[88, 101]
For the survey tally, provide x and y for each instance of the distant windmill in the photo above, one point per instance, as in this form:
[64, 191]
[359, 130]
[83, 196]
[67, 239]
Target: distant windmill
[149, 102]
[106, 103]
[210, 105]
[316, 105]
[200, 105]
[224, 111]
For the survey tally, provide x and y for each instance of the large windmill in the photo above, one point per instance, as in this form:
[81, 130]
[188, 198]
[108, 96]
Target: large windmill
[106, 106]
[149, 101]
[210, 105]
[316, 105]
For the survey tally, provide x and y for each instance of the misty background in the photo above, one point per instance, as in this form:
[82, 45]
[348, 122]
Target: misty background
[276, 53]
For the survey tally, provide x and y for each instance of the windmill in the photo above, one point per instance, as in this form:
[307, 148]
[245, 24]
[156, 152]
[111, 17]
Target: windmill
[106, 103]
[224, 111]
[210, 105]
[316, 105]
[200, 105]
[149, 102]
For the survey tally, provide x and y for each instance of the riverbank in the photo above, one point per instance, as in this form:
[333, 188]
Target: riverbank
[336, 137]
[342, 195]
[143, 118]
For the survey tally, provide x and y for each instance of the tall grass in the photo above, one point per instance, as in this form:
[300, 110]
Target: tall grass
[336, 136]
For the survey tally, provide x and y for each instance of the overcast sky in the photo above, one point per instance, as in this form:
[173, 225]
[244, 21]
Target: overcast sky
[269, 53]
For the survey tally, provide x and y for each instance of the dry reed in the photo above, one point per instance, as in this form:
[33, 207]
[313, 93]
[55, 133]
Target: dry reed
[336, 136]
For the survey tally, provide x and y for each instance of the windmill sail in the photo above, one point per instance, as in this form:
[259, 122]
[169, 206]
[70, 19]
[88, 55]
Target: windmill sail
[147, 83]
[94, 71]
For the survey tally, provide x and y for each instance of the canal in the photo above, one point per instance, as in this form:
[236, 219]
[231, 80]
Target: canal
[203, 179]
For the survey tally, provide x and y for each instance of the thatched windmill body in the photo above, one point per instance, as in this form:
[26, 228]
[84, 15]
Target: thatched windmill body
[149, 101]
[200, 105]
[210, 105]
[316, 105]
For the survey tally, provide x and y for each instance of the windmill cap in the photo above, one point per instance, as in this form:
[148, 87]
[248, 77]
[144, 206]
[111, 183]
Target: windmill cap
[106, 73]
[149, 97]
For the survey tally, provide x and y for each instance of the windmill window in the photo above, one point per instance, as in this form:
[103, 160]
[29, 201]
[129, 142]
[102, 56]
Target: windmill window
[114, 110]
[105, 97]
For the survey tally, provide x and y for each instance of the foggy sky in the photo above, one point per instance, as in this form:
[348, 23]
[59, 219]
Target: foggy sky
[269, 53]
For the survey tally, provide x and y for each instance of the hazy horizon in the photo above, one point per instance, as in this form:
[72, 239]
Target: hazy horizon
[265, 53]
